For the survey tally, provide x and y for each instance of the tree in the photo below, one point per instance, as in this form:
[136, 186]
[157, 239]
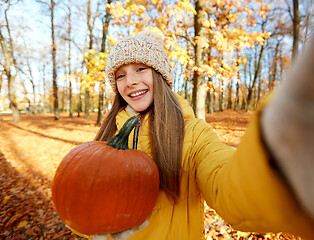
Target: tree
[30, 77]
[51, 7]
[54, 63]
[199, 77]
[10, 79]
[9, 64]
[1, 81]
[256, 74]
[90, 26]
[69, 31]
[105, 25]
[296, 28]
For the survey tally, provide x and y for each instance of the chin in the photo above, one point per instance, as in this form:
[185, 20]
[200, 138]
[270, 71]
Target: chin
[139, 109]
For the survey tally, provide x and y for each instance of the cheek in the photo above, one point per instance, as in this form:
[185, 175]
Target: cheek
[120, 87]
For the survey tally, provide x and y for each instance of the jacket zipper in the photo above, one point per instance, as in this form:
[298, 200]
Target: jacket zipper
[136, 130]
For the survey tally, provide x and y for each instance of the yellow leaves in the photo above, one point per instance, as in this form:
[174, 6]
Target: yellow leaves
[183, 59]
[95, 65]
[124, 14]
[210, 84]
[178, 17]
[22, 224]
[117, 9]
[220, 41]
[111, 40]
[102, 55]
[173, 55]
[228, 30]
[186, 5]
[210, 71]
[259, 39]
[179, 54]
[6, 199]
[158, 31]
[163, 26]
[209, 23]
[170, 12]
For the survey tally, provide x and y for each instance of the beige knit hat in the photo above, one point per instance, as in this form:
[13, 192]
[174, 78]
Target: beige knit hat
[145, 47]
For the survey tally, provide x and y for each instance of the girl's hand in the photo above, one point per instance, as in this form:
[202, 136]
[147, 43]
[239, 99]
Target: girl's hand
[121, 235]
[288, 128]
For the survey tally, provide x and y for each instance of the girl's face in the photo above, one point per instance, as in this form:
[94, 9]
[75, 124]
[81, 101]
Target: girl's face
[135, 85]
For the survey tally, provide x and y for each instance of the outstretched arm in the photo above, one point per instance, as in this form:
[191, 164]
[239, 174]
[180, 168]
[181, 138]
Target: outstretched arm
[288, 128]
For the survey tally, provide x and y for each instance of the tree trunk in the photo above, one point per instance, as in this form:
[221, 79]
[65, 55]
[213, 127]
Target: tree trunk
[10, 79]
[246, 69]
[105, 23]
[31, 79]
[243, 105]
[210, 97]
[44, 89]
[237, 100]
[296, 29]
[79, 104]
[90, 31]
[100, 106]
[29, 106]
[54, 64]
[186, 89]
[87, 103]
[274, 68]
[220, 99]
[69, 59]
[1, 81]
[259, 89]
[257, 70]
[199, 92]
[229, 105]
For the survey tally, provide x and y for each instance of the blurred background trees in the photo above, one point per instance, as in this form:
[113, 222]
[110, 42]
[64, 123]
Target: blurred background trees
[227, 54]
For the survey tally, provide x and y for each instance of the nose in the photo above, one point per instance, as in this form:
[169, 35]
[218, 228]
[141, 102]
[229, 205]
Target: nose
[131, 80]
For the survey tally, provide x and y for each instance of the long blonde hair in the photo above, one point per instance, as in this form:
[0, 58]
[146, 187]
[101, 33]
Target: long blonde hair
[166, 125]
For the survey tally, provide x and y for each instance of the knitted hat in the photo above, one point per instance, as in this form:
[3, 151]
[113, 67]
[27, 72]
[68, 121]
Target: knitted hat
[145, 47]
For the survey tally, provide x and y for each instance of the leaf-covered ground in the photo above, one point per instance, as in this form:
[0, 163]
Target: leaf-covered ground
[30, 152]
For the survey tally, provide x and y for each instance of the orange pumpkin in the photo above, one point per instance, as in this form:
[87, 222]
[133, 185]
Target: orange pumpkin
[100, 189]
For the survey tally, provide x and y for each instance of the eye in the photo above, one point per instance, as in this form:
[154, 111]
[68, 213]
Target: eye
[120, 76]
[141, 69]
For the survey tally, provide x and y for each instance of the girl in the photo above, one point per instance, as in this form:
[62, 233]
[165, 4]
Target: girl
[247, 187]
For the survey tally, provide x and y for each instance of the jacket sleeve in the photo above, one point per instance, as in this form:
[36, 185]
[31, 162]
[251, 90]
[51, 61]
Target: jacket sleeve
[243, 187]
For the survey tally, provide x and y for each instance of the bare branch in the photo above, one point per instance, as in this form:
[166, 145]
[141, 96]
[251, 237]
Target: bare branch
[186, 38]
[68, 39]
[289, 9]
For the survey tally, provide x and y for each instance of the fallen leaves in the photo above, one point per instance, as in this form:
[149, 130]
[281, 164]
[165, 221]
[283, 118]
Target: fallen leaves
[30, 152]
[217, 229]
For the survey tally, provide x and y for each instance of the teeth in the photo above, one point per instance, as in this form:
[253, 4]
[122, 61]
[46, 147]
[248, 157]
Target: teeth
[138, 93]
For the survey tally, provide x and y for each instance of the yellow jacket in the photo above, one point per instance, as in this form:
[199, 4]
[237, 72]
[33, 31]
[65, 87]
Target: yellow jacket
[239, 184]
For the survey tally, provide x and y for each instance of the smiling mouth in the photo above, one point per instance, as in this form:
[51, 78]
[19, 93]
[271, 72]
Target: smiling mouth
[138, 93]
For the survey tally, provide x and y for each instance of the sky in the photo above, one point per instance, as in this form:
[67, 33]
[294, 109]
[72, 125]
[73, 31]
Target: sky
[30, 28]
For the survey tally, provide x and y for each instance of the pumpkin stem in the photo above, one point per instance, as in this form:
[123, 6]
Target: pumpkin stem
[120, 140]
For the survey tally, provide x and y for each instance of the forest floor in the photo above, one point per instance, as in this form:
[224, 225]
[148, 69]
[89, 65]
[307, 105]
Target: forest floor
[30, 151]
